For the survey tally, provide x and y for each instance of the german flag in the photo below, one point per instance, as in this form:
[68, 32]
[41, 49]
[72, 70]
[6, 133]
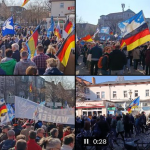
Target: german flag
[30, 88]
[122, 44]
[64, 51]
[129, 110]
[33, 42]
[3, 108]
[57, 31]
[68, 27]
[136, 38]
[87, 38]
[111, 33]
[25, 2]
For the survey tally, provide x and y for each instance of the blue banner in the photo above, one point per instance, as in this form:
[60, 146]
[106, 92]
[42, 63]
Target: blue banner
[51, 28]
[105, 30]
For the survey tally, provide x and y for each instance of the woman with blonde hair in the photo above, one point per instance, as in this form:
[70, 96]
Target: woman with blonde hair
[52, 67]
[51, 52]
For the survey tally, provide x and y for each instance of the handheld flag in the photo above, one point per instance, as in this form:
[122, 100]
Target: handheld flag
[135, 31]
[25, 2]
[135, 103]
[3, 108]
[51, 28]
[8, 27]
[33, 42]
[105, 30]
[97, 31]
[30, 88]
[87, 38]
[111, 33]
[57, 31]
[67, 28]
[64, 51]
[11, 112]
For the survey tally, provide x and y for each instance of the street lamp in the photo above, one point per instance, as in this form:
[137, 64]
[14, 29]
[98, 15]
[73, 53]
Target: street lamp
[130, 93]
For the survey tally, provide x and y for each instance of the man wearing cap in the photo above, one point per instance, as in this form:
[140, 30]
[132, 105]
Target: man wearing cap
[26, 131]
[3, 135]
[10, 142]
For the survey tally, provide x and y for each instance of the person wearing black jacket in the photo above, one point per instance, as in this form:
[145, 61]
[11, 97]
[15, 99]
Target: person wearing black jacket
[96, 53]
[117, 60]
[16, 53]
[105, 61]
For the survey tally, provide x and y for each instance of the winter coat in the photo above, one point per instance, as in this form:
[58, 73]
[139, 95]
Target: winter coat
[96, 53]
[8, 66]
[136, 53]
[147, 59]
[53, 71]
[16, 55]
[117, 60]
[120, 126]
[22, 65]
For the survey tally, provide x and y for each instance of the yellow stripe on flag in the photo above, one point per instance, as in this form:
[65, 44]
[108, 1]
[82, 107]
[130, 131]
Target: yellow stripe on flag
[32, 46]
[3, 111]
[25, 2]
[67, 53]
[138, 42]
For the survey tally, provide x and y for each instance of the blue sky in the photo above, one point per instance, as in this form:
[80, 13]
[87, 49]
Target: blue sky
[100, 79]
[90, 11]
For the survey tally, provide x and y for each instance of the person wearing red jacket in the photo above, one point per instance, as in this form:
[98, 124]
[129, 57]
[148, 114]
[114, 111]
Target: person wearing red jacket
[32, 145]
[67, 131]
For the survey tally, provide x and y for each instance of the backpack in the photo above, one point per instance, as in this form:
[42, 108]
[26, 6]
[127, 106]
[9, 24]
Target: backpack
[101, 63]
[7, 146]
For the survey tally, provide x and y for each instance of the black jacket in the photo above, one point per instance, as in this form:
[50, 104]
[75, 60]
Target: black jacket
[16, 55]
[96, 53]
[53, 71]
[117, 60]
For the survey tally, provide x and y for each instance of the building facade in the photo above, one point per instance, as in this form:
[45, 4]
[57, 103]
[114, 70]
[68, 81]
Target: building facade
[84, 29]
[11, 86]
[114, 96]
[111, 20]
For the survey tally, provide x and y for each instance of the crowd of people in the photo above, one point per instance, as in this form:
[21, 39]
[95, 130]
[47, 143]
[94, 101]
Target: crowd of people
[100, 126]
[110, 59]
[15, 60]
[24, 134]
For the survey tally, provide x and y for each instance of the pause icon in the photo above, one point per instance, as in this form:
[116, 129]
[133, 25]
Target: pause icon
[86, 141]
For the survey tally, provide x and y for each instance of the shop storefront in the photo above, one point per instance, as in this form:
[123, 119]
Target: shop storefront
[90, 108]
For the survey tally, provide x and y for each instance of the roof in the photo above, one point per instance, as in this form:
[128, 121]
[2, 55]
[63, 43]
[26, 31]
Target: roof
[82, 80]
[128, 10]
[125, 81]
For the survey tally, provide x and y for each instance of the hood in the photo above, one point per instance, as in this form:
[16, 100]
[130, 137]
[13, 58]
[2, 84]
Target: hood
[9, 63]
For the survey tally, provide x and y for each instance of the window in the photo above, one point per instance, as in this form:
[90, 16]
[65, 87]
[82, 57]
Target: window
[98, 94]
[114, 94]
[136, 93]
[147, 92]
[103, 95]
[125, 94]
[61, 5]
[87, 90]
[145, 104]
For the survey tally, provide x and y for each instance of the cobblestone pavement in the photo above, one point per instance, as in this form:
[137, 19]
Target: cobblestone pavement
[82, 70]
